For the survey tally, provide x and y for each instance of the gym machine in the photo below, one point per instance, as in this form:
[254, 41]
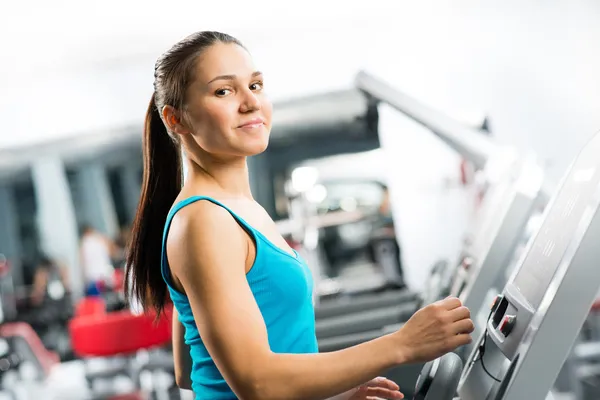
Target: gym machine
[537, 318]
[471, 144]
[24, 362]
[481, 267]
[514, 192]
[332, 308]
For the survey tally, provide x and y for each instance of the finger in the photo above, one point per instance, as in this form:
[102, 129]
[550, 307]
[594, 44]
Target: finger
[381, 398]
[383, 382]
[383, 393]
[459, 340]
[463, 326]
[450, 303]
[460, 313]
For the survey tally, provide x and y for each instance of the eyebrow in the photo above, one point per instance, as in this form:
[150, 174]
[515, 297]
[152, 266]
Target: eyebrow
[232, 77]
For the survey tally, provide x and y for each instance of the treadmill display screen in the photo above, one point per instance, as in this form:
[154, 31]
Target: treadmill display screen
[558, 228]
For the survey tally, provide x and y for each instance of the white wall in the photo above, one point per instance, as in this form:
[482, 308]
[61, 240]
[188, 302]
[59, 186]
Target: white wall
[531, 66]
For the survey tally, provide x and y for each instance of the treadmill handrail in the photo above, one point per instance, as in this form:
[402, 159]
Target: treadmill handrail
[473, 145]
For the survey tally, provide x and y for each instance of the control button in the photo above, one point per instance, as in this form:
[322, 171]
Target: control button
[496, 302]
[507, 324]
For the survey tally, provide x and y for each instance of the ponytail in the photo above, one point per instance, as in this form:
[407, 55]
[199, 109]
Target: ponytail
[161, 185]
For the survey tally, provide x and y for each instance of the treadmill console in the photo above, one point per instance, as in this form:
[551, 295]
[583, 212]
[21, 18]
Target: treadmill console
[546, 292]
[551, 289]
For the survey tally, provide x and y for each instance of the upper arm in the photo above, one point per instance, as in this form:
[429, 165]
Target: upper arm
[207, 252]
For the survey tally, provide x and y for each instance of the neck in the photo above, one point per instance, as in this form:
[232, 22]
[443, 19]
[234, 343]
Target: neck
[230, 176]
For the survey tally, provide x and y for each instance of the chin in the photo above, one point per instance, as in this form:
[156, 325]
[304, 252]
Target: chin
[251, 146]
[257, 147]
[250, 143]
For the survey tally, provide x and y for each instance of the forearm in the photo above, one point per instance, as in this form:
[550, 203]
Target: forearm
[183, 370]
[186, 384]
[326, 375]
[181, 355]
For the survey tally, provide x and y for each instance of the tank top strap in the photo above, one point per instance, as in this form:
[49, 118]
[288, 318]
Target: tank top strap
[166, 273]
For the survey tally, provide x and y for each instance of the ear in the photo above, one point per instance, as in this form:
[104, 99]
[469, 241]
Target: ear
[173, 120]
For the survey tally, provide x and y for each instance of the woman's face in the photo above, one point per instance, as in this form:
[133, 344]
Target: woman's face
[227, 110]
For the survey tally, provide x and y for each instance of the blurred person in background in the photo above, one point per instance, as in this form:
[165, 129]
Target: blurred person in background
[243, 322]
[385, 208]
[384, 231]
[96, 253]
[50, 279]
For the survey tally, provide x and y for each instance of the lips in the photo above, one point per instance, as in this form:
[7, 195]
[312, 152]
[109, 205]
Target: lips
[254, 123]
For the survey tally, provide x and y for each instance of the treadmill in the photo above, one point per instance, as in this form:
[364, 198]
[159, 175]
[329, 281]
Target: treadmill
[473, 145]
[515, 188]
[505, 212]
[533, 324]
[364, 302]
[470, 143]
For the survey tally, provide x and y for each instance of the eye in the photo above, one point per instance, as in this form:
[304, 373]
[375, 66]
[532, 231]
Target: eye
[256, 86]
[222, 92]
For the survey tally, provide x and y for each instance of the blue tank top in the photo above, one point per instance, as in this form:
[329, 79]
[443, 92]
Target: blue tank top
[282, 286]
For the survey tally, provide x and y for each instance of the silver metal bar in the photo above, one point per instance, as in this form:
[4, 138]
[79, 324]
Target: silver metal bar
[475, 146]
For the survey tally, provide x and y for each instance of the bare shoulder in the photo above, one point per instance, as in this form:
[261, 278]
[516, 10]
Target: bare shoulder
[200, 217]
[202, 231]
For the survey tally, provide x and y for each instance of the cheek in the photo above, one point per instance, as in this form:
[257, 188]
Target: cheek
[216, 122]
[222, 116]
[224, 123]
[267, 110]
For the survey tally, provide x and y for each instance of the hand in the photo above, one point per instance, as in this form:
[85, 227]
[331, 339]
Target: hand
[378, 388]
[435, 330]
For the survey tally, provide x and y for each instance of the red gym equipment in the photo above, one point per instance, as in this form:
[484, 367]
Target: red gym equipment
[97, 333]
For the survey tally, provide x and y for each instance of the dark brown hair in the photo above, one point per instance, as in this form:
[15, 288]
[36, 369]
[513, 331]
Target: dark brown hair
[173, 73]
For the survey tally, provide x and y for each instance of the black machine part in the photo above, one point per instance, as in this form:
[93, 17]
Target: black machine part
[447, 371]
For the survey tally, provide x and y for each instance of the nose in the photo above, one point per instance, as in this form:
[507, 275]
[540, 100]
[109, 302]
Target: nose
[250, 102]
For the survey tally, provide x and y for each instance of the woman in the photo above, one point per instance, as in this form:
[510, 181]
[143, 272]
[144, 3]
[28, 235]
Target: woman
[242, 296]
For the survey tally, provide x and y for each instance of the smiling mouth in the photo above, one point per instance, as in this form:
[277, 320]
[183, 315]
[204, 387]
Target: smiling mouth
[252, 125]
